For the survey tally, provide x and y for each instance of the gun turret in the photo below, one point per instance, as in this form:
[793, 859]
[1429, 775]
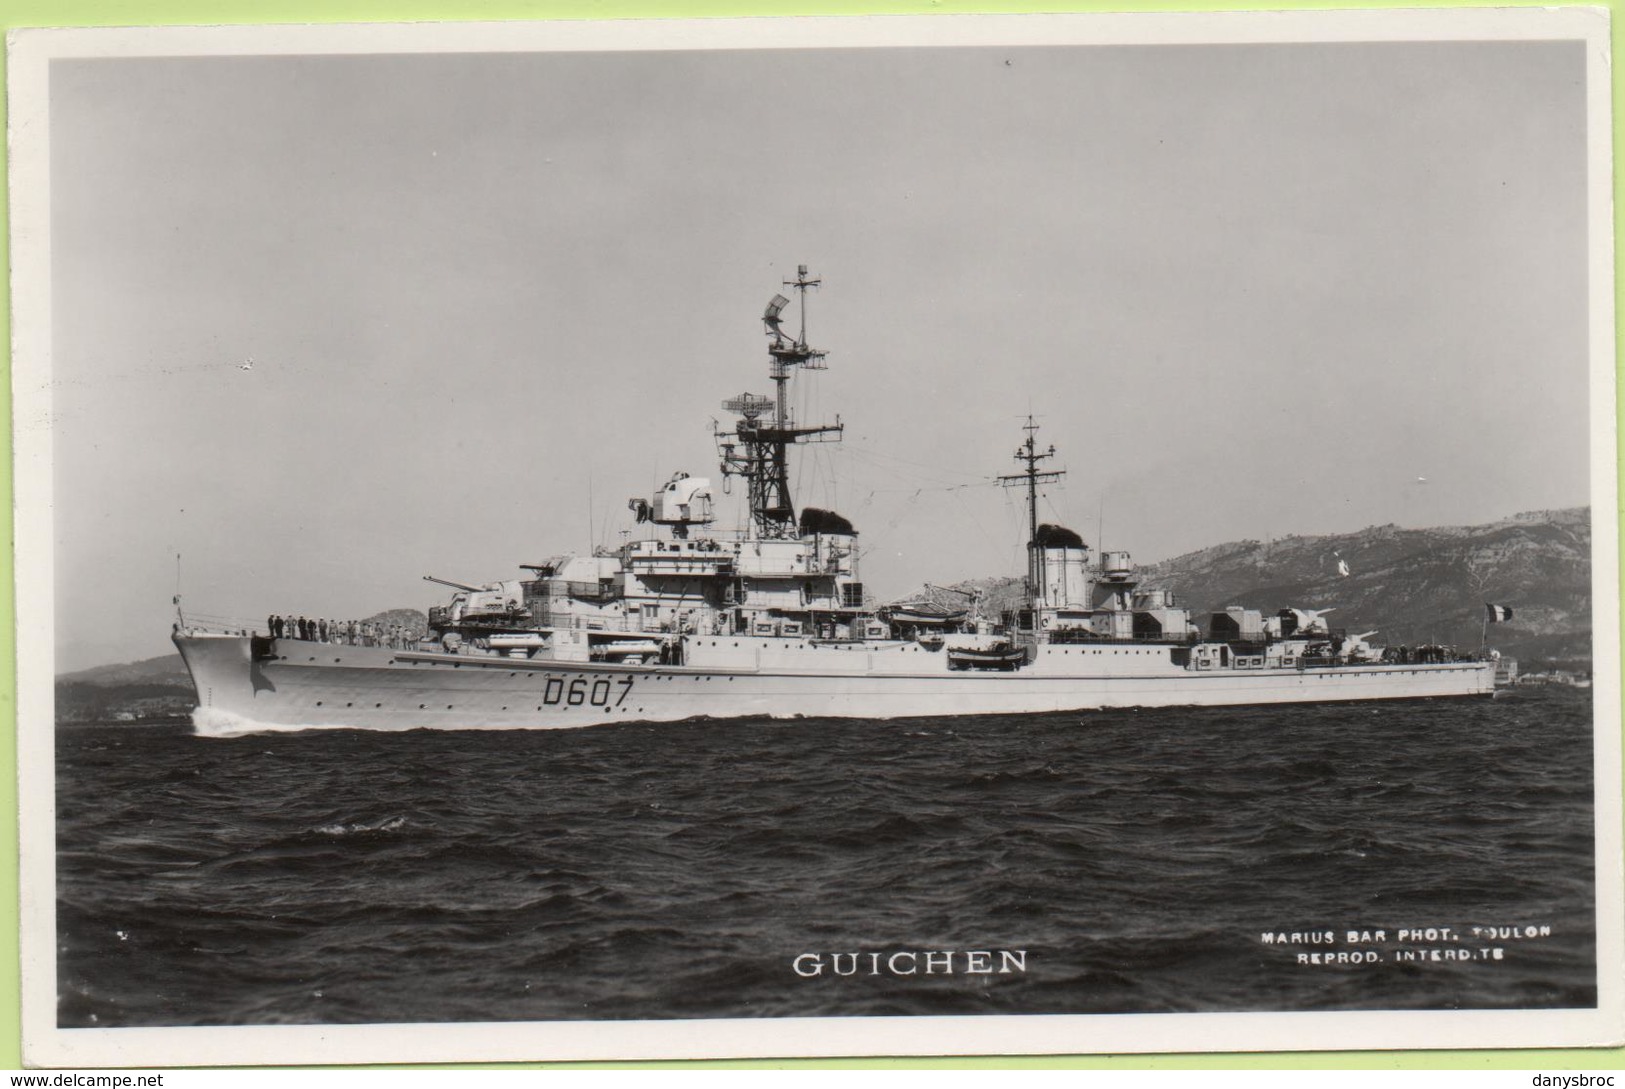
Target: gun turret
[1356, 649]
[1311, 621]
[454, 585]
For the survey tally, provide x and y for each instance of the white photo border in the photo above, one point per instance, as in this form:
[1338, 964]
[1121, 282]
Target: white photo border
[45, 1044]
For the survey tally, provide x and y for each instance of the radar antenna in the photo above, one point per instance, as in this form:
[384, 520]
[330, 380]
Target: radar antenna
[756, 448]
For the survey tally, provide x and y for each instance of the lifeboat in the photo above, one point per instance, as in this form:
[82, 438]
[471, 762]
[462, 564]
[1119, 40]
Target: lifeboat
[999, 656]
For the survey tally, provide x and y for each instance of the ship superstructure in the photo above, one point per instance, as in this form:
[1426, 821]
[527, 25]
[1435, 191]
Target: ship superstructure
[683, 621]
[791, 574]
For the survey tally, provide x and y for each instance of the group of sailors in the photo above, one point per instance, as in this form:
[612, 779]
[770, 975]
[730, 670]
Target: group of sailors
[355, 633]
[1427, 653]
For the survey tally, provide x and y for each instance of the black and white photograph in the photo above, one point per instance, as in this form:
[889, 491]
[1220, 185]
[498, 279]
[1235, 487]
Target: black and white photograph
[816, 537]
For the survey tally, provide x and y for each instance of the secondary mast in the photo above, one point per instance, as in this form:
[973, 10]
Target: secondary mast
[1029, 454]
[755, 449]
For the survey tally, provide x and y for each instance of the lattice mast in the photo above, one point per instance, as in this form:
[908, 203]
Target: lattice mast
[755, 449]
[1031, 476]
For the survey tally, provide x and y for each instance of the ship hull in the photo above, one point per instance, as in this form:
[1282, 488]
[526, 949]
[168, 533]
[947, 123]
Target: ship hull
[314, 686]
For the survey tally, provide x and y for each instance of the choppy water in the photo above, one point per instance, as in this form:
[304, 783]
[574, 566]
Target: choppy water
[634, 871]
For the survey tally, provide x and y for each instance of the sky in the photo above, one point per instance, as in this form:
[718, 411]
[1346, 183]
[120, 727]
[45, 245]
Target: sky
[1246, 291]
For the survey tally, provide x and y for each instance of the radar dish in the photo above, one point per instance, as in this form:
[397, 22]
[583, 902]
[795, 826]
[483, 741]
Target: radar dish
[748, 405]
[774, 314]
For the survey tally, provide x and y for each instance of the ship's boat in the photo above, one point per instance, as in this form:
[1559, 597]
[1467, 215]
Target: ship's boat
[1000, 656]
[683, 621]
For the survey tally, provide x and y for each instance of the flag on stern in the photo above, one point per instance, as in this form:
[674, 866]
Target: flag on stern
[1498, 613]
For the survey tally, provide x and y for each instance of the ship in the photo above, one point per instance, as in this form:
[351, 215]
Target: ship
[772, 620]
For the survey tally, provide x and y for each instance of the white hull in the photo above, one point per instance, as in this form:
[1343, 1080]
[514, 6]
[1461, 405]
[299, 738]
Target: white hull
[316, 686]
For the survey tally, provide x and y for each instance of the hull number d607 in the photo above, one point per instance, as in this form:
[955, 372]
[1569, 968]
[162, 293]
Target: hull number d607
[579, 691]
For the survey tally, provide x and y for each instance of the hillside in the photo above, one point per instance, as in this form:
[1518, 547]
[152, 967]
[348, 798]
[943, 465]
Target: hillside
[165, 669]
[1409, 585]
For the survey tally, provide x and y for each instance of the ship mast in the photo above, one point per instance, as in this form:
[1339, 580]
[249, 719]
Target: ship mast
[1029, 454]
[755, 449]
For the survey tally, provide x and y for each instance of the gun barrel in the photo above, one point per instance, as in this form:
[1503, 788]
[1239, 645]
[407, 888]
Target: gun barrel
[453, 585]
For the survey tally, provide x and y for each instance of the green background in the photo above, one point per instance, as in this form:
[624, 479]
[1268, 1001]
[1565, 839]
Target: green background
[29, 13]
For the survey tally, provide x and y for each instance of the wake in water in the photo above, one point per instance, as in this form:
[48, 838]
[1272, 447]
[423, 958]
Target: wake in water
[213, 722]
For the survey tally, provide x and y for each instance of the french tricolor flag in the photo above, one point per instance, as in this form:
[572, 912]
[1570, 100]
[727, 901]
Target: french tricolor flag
[1498, 613]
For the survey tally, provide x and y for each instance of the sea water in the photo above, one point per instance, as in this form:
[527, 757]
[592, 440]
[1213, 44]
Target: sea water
[1124, 861]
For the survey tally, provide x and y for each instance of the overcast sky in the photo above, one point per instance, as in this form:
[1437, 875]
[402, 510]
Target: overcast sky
[1247, 291]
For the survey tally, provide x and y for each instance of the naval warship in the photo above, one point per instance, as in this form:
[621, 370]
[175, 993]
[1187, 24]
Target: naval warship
[684, 621]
